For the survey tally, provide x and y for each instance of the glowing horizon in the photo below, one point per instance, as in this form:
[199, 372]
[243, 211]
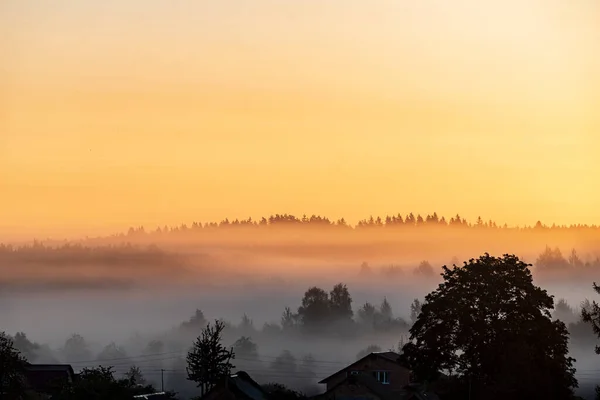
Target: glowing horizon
[118, 114]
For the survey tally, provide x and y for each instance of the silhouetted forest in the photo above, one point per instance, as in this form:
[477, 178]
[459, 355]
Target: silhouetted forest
[394, 221]
[90, 265]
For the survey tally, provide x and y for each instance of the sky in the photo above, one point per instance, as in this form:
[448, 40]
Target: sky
[118, 113]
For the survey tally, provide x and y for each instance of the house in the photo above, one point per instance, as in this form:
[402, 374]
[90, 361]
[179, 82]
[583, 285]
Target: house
[377, 376]
[357, 387]
[237, 387]
[43, 378]
[384, 367]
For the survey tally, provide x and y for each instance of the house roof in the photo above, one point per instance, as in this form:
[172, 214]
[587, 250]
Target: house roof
[247, 386]
[65, 368]
[386, 355]
[152, 396]
[244, 387]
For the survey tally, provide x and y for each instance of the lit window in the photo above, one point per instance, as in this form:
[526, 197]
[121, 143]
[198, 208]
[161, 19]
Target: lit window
[382, 376]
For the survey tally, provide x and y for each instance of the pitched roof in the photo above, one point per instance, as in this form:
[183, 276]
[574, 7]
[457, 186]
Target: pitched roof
[390, 355]
[152, 396]
[242, 387]
[242, 382]
[65, 368]
[387, 355]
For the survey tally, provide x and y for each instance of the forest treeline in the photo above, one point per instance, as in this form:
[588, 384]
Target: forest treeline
[77, 254]
[395, 221]
[551, 260]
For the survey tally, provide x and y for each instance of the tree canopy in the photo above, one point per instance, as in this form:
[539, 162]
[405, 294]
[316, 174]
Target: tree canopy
[490, 326]
[12, 370]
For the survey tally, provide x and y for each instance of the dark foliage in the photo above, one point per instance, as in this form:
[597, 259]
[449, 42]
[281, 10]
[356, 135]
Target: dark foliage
[491, 327]
[100, 384]
[277, 391]
[245, 348]
[12, 370]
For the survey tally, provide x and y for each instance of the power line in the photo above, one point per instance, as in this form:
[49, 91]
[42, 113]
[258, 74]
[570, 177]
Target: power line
[177, 354]
[124, 358]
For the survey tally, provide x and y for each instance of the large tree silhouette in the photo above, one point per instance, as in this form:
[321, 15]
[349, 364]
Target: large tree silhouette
[490, 326]
[590, 313]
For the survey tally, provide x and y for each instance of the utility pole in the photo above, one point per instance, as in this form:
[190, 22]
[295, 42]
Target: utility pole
[162, 380]
[469, 386]
[228, 370]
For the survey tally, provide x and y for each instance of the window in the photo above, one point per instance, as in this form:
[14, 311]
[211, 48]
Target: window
[382, 376]
[352, 373]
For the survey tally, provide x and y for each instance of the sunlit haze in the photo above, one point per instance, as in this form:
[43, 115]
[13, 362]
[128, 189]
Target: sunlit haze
[118, 113]
[380, 190]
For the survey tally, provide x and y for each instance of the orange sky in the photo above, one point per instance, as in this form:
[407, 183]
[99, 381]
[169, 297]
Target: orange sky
[117, 113]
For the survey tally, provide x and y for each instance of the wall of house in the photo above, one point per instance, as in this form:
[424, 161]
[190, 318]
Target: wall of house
[399, 376]
[350, 392]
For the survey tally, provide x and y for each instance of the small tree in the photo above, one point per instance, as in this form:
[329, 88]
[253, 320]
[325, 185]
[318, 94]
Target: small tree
[135, 376]
[111, 352]
[424, 269]
[208, 360]
[76, 349]
[12, 370]
[340, 303]
[367, 314]
[289, 320]
[244, 347]
[246, 325]
[564, 312]
[314, 313]
[386, 310]
[26, 347]
[415, 310]
[196, 322]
